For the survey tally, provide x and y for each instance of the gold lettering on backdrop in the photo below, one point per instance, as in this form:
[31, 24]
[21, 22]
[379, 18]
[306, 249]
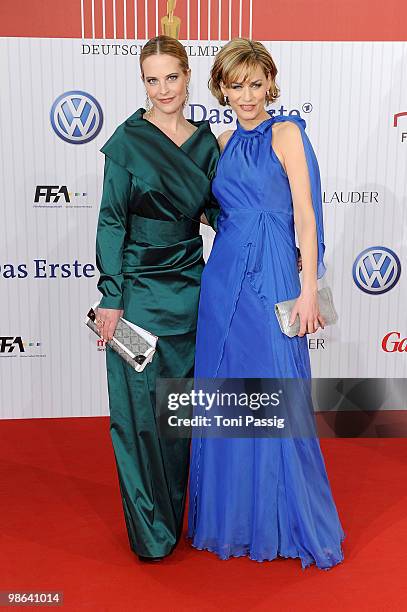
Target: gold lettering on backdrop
[170, 24]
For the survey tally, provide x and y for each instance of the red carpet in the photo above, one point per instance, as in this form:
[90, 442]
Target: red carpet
[62, 529]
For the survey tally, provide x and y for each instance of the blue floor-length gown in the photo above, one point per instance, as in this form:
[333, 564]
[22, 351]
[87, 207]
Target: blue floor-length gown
[261, 497]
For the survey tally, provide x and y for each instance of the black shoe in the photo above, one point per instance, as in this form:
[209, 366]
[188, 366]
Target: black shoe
[149, 559]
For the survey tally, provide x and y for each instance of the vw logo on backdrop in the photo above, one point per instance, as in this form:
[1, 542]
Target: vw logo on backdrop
[76, 117]
[376, 270]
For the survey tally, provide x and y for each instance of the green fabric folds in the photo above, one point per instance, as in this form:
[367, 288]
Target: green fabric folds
[149, 265]
[149, 254]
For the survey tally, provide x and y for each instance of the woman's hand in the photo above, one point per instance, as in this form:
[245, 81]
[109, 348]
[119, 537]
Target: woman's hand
[307, 308]
[106, 321]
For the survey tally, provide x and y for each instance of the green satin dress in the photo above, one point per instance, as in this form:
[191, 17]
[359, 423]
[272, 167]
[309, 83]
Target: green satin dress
[149, 255]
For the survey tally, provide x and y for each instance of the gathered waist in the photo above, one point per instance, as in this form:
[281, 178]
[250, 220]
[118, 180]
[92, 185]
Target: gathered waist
[255, 211]
[156, 232]
[251, 225]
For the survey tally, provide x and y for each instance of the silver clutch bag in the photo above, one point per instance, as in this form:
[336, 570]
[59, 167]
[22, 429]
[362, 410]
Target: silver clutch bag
[326, 307]
[133, 343]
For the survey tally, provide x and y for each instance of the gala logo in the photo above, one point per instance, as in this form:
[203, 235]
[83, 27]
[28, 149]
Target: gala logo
[394, 343]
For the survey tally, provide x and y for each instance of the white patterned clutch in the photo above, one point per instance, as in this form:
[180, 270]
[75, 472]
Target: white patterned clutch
[326, 307]
[133, 343]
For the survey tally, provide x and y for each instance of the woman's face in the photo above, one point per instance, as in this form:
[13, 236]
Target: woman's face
[247, 98]
[165, 82]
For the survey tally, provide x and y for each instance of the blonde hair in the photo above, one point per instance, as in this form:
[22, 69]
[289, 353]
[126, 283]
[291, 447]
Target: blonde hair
[237, 60]
[165, 45]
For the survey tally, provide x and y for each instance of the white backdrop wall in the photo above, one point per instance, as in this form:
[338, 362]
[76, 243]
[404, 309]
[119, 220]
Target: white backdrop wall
[348, 93]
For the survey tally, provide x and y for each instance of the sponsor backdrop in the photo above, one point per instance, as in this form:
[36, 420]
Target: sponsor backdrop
[71, 79]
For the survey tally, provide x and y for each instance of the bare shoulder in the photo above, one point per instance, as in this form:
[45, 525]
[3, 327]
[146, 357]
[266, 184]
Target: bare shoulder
[287, 136]
[287, 130]
[223, 138]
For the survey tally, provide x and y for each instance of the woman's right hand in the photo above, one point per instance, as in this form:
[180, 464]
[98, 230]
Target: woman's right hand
[106, 322]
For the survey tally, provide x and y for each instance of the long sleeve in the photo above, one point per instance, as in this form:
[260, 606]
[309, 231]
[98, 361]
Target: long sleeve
[212, 211]
[111, 233]
[212, 208]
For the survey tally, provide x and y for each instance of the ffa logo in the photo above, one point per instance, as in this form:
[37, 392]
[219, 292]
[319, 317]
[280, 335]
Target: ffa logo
[76, 117]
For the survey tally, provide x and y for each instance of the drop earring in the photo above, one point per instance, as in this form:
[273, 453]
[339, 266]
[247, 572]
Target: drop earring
[226, 100]
[186, 96]
[267, 97]
[148, 105]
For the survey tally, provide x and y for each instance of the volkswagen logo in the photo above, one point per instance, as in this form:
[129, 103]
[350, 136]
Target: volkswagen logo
[376, 270]
[76, 117]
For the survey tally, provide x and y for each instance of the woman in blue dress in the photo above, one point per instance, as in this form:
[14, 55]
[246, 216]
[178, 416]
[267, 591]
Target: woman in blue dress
[261, 497]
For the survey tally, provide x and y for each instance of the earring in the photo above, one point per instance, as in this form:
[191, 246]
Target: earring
[186, 96]
[267, 97]
[226, 100]
[148, 104]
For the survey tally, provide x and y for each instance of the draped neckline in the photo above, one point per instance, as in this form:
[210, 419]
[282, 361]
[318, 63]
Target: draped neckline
[179, 174]
[198, 124]
[259, 129]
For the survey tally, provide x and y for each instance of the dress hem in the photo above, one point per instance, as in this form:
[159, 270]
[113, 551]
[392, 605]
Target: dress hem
[247, 553]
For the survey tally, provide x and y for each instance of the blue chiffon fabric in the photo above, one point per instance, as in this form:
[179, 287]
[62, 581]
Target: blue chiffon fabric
[261, 497]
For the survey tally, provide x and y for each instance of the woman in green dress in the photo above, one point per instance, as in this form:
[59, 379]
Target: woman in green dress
[157, 184]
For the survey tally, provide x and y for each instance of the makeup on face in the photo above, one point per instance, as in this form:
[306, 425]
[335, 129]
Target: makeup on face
[247, 97]
[165, 82]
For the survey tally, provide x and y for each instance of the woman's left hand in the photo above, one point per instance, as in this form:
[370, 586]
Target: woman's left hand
[307, 308]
